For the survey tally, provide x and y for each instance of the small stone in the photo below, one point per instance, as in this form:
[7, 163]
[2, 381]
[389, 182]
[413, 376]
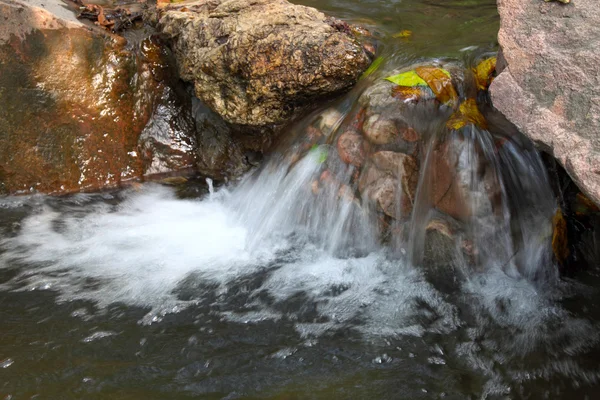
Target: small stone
[410, 135]
[351, 149]
[379, 130]
[314, 187]
[329, 121]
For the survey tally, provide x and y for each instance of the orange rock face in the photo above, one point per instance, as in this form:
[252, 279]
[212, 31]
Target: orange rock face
[74, 104]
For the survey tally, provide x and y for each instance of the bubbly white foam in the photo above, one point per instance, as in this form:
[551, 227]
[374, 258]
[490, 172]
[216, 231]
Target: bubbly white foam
[146, 250]
[134, 254]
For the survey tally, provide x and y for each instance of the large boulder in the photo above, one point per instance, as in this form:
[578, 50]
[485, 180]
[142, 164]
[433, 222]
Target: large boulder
[256, 63]
[83, 109]
[549, 87]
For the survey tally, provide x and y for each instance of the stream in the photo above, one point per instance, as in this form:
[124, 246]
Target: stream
[258, 289]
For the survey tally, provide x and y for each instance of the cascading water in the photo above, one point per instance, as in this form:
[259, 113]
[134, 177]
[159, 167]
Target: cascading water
[373, 221]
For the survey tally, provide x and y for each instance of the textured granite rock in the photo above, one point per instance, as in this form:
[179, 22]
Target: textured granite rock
[550, 82]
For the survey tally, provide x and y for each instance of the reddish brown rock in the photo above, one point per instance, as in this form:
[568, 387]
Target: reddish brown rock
[75, 102]
[447, 194]
[410, 135]
[351, 149]
[390, 181]
[462, 183]
[549, 87]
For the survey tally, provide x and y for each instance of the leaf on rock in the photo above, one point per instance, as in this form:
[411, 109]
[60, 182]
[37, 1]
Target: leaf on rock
[483, 73]
[467, 113]
[409, 78]
[407, 93]
[440, 82]
[405, 34]
[560, 244]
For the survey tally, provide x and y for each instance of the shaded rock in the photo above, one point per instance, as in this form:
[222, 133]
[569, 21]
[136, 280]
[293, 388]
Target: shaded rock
[167, 143]
[549, 86]
[257, 63]
[220, 153]
[441, 256]
[75, 103]
[440, 243]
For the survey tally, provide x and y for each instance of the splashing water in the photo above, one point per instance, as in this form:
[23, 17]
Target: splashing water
[311, 238]
[308, 219]
[211, 188]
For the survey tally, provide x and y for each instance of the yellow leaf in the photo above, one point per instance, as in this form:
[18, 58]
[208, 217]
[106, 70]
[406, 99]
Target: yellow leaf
[403, 34]
[409, 78]
[483, 73]
[560, 245]
[467, 113]
[439, 82]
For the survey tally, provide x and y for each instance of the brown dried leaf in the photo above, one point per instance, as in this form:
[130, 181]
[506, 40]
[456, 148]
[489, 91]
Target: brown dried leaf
[560, 244]
[102, 20]
[406, 93]
[440, 83]
[584, 206]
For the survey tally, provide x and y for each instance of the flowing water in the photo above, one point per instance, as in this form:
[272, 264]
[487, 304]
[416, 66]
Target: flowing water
[292, 284]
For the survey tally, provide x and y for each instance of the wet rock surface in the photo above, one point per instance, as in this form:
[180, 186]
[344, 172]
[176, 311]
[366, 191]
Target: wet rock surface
[258, 63]
[434, 171]
[549, 87]
[83, 109]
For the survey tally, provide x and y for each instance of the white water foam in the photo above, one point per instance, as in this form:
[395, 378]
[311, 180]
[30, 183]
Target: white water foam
[144, 250]
[134, 254]
[141, 251]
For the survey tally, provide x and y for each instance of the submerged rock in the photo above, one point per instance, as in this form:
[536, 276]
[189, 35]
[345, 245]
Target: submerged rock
[549, 87]
[351, 148]
[391, 181]
[77, 102]
[257, 63]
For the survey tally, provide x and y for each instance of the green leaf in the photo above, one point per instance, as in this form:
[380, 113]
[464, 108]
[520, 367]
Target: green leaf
[321, 152]
[409, 78]
[323, 157]
[373, 67]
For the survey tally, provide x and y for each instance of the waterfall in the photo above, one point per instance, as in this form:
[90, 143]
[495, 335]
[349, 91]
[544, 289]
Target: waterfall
[366, 194]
